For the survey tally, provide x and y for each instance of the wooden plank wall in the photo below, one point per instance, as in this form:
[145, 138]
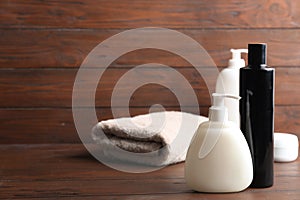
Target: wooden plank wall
[43, 44]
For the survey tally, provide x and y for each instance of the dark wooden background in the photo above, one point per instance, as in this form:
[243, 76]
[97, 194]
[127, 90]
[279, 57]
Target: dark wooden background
[43, 44]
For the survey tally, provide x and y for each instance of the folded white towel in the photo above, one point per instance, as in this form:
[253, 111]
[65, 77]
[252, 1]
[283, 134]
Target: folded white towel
[155, 139]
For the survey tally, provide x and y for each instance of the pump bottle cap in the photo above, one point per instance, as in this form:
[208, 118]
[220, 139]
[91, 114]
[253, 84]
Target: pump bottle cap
[218, 111]
[236, 61]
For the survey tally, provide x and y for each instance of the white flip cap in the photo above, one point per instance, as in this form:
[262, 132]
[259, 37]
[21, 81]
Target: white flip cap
[286, 147]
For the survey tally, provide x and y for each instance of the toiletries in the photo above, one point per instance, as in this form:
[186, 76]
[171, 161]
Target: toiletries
[257, 113]
[218, 159]
[228, 82]
[286, 147]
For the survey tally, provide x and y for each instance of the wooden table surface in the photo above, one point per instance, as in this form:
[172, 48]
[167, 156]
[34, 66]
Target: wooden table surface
[68, 171]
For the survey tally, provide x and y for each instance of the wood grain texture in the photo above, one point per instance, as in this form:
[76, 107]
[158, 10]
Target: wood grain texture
[141, 13]
[68, 48]
[68, 171]
[53, 88]
[34, 126]
[43, 43]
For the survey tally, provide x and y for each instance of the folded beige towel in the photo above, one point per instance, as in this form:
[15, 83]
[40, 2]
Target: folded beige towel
[155, 139]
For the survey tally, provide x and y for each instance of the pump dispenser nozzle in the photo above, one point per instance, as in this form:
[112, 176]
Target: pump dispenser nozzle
[218, 112]
[236, 60]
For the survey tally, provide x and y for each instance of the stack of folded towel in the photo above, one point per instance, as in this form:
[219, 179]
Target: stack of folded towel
[155, 139]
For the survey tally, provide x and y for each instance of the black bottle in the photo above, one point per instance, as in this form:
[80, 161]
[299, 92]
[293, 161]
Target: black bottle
[257, 113]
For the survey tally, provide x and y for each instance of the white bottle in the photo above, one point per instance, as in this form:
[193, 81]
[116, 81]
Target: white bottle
[228, 83]
[218, 159]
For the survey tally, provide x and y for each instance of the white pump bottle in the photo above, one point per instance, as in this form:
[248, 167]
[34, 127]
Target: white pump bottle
[228, 83]
[218, 159]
